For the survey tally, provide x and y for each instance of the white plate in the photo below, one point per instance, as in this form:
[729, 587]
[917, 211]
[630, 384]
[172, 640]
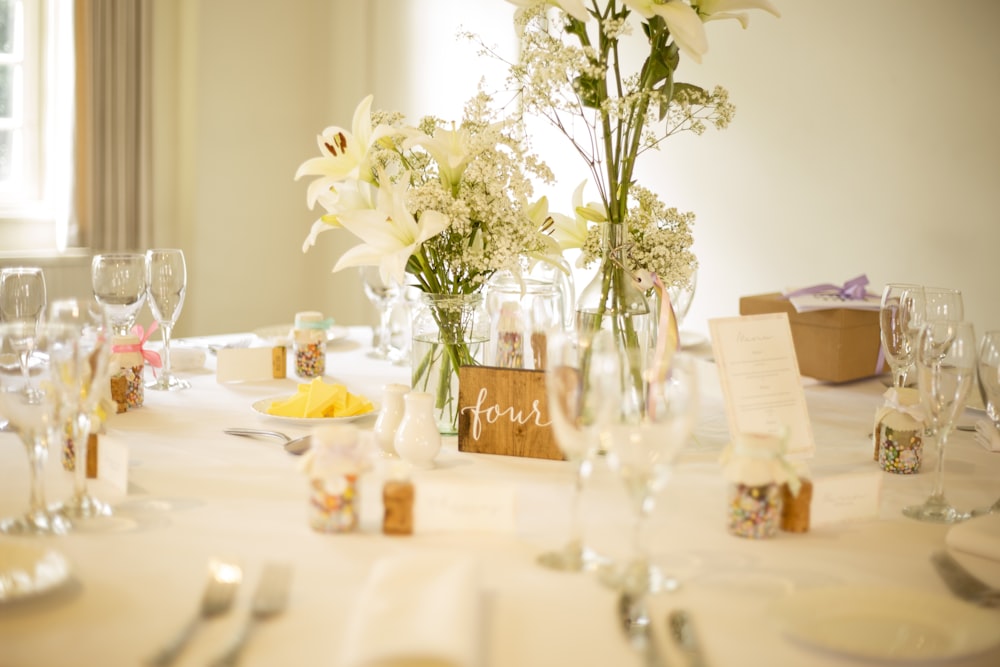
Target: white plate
[887, 624]
[282, 332]
[692, 339]
[261, 406]
[28, 569]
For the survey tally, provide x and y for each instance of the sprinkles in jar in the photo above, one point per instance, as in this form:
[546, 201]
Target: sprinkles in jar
[309, 337]
[126, 367]
[333, 464]
[756, 469]
[898, 432]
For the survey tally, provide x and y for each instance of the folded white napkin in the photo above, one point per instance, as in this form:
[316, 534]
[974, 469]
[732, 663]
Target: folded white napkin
[987, 435]
[417, 609]
[979, 536]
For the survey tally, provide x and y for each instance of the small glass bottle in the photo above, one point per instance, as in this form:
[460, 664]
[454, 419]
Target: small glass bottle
[898, 432]
[125, 369]
[309, 342]
[755, 466]
[333, 465]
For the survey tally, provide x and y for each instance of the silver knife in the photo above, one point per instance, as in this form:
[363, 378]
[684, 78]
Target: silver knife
[963, 583]
[682, 631]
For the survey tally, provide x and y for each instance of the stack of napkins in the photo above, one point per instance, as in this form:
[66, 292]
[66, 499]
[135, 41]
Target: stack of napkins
[987, 435]
[417, 610]
[319, 399]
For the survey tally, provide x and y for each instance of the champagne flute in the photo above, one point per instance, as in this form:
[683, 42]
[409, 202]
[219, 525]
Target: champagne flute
[641, 449]
[166, 284]
[946, 364]
[989, 390]
[119, 284]
[33, 420]
[382, 291]
[580, 387]
[22, 299]
[81, 374]
[895, 313]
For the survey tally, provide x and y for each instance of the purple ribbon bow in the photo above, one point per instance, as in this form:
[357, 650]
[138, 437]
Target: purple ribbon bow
[852, 290]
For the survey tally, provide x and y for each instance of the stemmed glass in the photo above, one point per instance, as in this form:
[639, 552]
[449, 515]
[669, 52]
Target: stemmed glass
[641, 449]
[895, 314]
[681, 298]
[382, 293]
[166, 284]
[989, 390]
[33, 420]
[580, 387]
[946, 364]
[80, 373]
[22, 299]
[119, 284]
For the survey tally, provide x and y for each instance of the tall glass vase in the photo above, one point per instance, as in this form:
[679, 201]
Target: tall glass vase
[612, 301]
[449, 331]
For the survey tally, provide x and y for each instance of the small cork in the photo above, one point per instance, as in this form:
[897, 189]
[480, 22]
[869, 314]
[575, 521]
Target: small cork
[397, 498]
[279, 357]
[795, 508]
[92, 456]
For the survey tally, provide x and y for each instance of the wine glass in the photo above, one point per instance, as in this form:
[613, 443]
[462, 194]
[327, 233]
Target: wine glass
[22, 299]
[946, 365]
[580, 387]
[33, 420]
[681, 297]
[989, 390]
[119, 284]
[166, 284]
[641, 449]
[943, 304]
[895, 313]
[81, 373]
[382, 291]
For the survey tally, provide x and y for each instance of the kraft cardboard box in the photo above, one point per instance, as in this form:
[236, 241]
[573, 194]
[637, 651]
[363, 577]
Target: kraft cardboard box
[836, 345]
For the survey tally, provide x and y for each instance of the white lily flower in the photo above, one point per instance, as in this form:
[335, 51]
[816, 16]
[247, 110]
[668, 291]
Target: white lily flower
[714, 10]
[341, 198]
[344, 153]
[682, 21]
[574, 8]
[572, 232]
[389, 232]
[449, 148]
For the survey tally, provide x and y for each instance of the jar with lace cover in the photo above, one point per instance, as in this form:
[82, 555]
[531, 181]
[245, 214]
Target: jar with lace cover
[898, 432]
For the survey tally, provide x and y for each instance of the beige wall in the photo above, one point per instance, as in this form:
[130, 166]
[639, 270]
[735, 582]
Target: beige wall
[865, 140]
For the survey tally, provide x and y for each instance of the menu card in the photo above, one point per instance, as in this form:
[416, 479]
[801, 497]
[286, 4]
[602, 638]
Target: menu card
[760, 379]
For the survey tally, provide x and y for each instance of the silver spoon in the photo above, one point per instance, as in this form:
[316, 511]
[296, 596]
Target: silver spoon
[295, 446]
[635, 622]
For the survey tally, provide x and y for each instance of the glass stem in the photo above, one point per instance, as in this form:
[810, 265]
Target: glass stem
[384, 329]
[37, 451]
[165, 371]
[575, 529]
[81, 436]
[940, 436]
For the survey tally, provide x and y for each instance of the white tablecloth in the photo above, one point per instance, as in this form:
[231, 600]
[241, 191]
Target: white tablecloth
[195, 493]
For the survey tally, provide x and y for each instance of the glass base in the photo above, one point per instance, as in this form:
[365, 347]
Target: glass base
[638, 577]
[983, 511]
[168, 383]
[574, 557]
[935, 510]
[36, 523]
[83, 507]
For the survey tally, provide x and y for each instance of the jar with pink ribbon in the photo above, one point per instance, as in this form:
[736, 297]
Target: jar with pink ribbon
[126, 365]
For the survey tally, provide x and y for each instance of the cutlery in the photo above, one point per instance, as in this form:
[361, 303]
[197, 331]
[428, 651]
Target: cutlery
[295, 446]
[224, 578]
[963, 583]
[635, 622]
[269, 599]
[682, 630]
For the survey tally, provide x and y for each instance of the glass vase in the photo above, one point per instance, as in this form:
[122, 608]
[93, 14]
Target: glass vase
[612, 301]
[449, 331]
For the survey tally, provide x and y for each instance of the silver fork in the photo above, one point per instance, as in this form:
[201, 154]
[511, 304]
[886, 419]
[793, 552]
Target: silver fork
[223, 580]
[269, 599]
[963, 583]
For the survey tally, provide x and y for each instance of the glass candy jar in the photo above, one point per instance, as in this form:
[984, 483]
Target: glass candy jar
[333, 464]
[898, 431]
[755, 467]
[309, 344]
[125, 368]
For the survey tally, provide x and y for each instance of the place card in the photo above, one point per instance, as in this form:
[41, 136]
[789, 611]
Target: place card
[845, 497]
[246, 364]
[463, 507]
[760, 380]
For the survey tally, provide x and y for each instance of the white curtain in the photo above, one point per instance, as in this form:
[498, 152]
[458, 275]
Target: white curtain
[114, 102]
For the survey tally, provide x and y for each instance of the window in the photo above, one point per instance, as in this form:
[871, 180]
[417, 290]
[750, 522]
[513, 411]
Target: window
[36, 113]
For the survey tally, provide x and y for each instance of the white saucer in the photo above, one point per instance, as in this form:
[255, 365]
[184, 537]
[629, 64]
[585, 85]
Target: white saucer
[28, 569]
[886, 624]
